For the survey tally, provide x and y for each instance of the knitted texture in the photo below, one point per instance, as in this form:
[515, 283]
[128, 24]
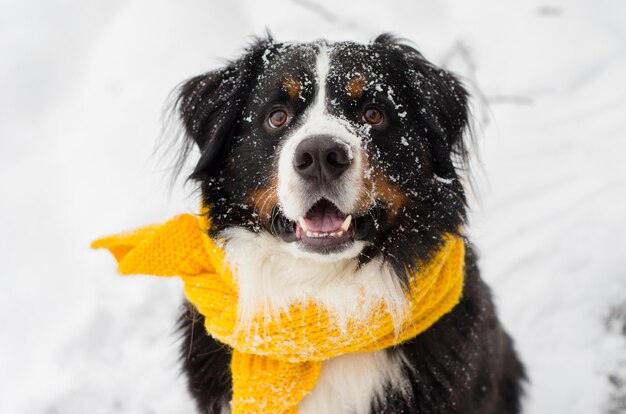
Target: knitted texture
[277, 358]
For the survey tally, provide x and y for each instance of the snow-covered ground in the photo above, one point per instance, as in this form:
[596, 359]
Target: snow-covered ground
[82, 87]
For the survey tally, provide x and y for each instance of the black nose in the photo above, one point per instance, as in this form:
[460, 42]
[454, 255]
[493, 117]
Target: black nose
[321, 158]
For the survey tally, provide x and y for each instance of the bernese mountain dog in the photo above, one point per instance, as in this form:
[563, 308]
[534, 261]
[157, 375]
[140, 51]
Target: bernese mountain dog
[330, 169]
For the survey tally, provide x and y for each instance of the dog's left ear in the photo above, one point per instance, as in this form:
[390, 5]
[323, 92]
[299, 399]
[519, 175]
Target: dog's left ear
[439, 98]
[210, 105]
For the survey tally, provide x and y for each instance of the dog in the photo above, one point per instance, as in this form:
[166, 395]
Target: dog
[330, 170]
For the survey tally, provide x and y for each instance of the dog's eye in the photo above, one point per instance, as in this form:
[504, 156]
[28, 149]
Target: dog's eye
[373, 116]
[278, 118]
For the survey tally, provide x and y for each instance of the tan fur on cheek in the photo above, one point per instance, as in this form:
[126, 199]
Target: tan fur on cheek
[292, 85]
[390, 194]
[377, 187]
[355, 87]
[366, 194]
[264, 199]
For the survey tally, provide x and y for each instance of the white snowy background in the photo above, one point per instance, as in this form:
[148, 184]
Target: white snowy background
[82, 89]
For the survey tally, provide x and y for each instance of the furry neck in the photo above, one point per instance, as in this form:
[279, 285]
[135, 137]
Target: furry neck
[270, 278]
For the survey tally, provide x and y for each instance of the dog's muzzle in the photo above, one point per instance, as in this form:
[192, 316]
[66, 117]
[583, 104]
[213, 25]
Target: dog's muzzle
[325, 189]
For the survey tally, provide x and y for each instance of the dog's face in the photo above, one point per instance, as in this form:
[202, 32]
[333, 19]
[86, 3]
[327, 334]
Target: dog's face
[339, 150]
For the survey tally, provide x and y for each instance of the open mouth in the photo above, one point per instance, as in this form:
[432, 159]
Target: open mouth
[325, 229]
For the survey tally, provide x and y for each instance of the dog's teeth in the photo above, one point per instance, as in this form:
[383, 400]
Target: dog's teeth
[333, 234]
[346, 223]
[303, 224]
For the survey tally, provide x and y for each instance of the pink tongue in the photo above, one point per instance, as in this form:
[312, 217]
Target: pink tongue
[324, 219]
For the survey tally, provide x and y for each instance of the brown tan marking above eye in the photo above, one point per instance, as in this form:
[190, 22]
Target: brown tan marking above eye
[355, 86]
[292, 85]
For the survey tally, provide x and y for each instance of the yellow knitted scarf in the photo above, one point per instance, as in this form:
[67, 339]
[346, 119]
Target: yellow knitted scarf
[276, 361]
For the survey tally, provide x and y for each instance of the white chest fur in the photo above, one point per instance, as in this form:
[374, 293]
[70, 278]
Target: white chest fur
[349, 383]
[270, 277]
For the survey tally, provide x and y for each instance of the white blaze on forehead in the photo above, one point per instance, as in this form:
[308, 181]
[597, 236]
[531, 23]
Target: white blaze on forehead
[318, 121]
[322, 67]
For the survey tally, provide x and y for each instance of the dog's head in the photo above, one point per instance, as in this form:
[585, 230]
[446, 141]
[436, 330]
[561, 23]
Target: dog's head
[338, 150]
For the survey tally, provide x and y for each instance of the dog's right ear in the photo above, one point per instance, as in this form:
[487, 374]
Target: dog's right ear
[210, 105]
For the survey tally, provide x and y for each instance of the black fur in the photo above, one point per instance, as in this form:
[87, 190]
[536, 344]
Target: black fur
[465, 363]
[206, 363]
[436, 115]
